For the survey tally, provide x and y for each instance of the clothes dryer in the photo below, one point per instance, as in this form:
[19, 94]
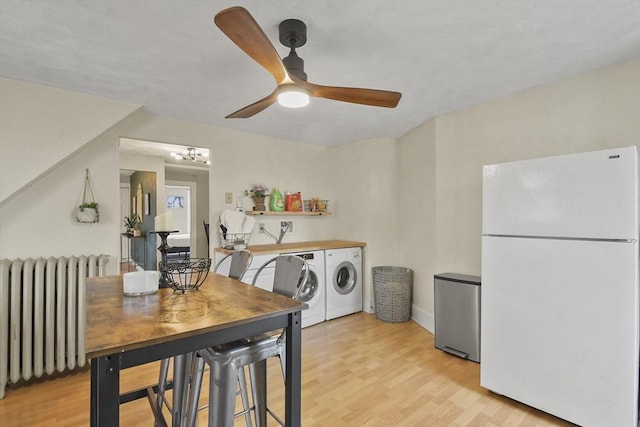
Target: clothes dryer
[344, 281]
[313, 293]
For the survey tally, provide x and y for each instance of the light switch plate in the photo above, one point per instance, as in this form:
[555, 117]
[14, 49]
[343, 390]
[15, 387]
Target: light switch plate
[228, 198]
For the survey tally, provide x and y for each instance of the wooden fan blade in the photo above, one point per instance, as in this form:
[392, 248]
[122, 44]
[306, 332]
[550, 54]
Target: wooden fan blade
[238, 24]
[255, 108]
[374, 97]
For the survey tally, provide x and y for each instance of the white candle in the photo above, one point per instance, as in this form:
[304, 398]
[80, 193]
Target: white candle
[164, 222]
[168, 220]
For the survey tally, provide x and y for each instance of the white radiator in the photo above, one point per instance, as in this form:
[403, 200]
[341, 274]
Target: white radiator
[42, 315]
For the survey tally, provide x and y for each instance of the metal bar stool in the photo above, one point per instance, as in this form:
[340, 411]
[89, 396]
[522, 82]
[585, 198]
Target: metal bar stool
[227, 361]
[240, 261]
[193, 364]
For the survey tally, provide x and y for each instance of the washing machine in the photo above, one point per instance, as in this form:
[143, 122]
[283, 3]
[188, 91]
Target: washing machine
[344, 281]
[313, 293]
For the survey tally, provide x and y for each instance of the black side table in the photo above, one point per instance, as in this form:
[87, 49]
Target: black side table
[132, 244]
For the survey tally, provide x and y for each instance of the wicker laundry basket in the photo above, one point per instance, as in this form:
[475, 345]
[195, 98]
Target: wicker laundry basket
[392, 292]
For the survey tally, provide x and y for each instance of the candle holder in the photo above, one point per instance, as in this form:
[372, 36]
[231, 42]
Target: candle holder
[165, 280]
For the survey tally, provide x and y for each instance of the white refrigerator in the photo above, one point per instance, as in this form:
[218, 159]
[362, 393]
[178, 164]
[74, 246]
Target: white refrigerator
[559, 320]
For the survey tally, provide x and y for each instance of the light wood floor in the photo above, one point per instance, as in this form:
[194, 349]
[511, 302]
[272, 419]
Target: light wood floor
[357, 371]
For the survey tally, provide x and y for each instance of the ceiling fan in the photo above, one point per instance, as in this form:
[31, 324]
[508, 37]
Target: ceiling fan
[292, 89]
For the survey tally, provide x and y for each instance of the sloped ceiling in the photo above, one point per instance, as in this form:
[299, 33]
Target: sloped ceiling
[442, 55]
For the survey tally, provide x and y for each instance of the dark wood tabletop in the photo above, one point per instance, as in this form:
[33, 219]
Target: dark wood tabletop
[117, 323]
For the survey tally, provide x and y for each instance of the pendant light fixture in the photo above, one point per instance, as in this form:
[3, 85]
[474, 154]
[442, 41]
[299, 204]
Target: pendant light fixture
[192, 155]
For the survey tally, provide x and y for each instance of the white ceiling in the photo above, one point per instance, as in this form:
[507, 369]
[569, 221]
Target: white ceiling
[442, 55]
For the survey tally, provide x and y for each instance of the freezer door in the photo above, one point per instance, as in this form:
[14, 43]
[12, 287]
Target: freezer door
[588, 195]
[560, 327]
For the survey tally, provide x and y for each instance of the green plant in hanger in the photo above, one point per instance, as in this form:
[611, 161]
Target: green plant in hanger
[88, 209]
[90, 205]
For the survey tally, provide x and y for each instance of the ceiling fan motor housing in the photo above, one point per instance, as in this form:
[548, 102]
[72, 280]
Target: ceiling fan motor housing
[295, 65]
[293, 34]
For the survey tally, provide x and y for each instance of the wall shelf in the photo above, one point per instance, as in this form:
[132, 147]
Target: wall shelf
[286, 213]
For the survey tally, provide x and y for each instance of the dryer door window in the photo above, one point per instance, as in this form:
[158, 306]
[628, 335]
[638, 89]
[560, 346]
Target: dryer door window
[344, 278]
[310, 289]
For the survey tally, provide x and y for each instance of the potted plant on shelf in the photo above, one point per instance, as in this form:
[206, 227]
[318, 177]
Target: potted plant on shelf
[132, 222]
[257, 192]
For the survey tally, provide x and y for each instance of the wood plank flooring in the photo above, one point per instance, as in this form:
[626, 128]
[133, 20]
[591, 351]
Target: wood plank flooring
[357, 371]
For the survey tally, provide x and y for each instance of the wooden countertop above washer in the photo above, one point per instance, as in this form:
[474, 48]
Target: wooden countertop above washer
[317, 245]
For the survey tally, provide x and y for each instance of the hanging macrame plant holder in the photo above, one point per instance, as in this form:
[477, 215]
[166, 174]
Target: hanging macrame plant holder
[88, 209]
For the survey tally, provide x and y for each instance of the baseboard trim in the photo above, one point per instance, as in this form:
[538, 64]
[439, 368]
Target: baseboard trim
[367, 305]
[423, 318]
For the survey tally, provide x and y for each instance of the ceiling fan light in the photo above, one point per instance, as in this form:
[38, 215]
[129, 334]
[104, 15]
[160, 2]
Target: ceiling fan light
[293, 98]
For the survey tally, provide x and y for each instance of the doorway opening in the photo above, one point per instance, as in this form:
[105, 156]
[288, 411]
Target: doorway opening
[138, 190]
[148, 156]
[182, 207]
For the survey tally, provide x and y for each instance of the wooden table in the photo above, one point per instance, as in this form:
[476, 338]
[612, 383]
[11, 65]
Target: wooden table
[127, 331]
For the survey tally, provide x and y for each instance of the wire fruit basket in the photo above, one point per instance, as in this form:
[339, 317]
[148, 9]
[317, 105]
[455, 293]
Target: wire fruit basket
[186, 274]
[233, 240]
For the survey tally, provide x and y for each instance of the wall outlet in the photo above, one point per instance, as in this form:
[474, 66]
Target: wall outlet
[228, 198]
[261, 227]
[284, 223]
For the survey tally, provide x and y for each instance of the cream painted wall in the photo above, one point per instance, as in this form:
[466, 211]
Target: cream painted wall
[367, 200]
[443, 160]
[416, 201]
[39, 221]
[41, 126]
[240, 159]
[417, 189]
[589, 112]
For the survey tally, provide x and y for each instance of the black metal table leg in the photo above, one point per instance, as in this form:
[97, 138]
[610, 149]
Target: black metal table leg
[293, 392]
[105, 391]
